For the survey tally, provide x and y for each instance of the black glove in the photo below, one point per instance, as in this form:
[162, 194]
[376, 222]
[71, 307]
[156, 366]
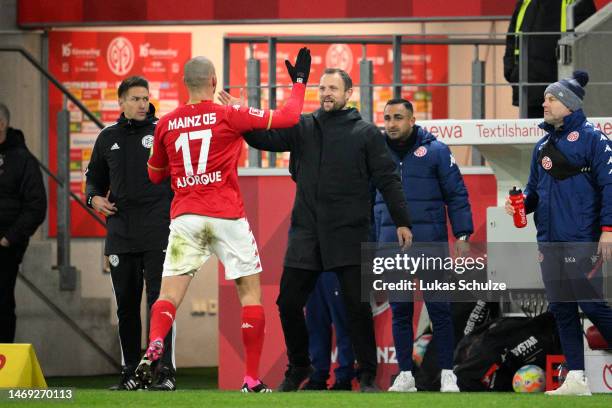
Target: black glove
[299, 72]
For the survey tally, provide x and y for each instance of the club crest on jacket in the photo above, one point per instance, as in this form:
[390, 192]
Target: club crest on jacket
[572, 137]
[421, 151]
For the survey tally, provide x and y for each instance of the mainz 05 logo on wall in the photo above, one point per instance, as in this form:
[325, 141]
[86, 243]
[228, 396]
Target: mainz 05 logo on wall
[120, 56]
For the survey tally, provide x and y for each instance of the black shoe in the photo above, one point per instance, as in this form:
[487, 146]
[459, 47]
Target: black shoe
[165, 380]
[314, 385]
[127, 381]
[144, 372]
[294, 377]
[342, 386]
[366, 383]
[261, 387]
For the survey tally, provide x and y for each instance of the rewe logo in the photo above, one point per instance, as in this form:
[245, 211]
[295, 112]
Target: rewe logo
[120, 56]
[441, 131]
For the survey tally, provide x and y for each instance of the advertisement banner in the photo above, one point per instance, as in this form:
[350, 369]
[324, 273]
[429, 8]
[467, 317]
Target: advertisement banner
[497, 131]
[92, 65]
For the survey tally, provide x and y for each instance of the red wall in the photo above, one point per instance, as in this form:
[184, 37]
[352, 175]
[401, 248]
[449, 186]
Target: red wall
[35, 13]
[39, 13]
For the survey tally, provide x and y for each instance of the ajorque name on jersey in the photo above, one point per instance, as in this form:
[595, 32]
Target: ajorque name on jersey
[192, 121]
[199, 179]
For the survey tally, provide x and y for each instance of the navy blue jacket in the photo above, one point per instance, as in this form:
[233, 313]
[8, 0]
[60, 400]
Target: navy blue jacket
[574, 209]
[431, 182]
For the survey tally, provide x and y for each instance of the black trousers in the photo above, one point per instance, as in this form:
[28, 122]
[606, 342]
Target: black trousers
[295, 287]
[129, 273]
[9, 266]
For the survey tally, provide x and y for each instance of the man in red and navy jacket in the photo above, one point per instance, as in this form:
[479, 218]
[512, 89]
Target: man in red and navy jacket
[570, 192]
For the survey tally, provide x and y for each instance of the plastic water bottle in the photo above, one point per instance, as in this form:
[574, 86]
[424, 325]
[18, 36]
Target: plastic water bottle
[518, 202]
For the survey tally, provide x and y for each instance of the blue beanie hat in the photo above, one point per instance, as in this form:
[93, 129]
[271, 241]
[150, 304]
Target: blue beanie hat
[570, 91]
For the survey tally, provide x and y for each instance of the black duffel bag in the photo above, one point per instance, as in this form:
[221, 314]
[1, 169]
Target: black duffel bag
[488, 358]
[467, 317]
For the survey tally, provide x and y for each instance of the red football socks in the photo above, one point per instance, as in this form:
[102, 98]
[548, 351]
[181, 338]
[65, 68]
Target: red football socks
[253, 326]
[162, 317]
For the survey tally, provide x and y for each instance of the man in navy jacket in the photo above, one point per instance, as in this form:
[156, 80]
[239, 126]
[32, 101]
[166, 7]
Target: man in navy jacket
[570, 192]
[432, 185]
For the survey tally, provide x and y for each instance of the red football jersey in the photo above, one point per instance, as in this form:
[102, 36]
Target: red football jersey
[201, 144]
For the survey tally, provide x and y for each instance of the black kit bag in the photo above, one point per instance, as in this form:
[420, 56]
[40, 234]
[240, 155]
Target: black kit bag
[467, 317]
[488, 358]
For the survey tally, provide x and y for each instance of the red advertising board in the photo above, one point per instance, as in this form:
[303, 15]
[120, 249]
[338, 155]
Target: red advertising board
[421, 64]
[92, 65]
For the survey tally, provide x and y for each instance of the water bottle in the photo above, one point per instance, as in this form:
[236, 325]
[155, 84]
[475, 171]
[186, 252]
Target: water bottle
[518, 203]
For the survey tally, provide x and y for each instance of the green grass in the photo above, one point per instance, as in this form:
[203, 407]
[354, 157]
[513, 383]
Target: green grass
[197, 388]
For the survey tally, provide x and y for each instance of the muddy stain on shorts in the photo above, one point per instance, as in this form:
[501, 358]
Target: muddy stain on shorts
[177, 248]
[206, 237]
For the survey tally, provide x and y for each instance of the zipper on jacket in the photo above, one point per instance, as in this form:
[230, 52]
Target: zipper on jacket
[401, 170]
[550, 188]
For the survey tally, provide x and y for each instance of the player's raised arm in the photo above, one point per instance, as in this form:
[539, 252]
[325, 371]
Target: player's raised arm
[245, 119]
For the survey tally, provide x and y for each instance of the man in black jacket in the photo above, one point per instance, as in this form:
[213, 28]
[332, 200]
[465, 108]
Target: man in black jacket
[335, 154]
[138, 219]
[539, 16]
[23, 204]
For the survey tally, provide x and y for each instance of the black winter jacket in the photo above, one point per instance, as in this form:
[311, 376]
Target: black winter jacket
[334, 157]
[23, 200]
[540, 16]
[119, 164]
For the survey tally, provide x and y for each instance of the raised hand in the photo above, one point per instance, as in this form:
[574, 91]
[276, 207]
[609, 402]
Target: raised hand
[299, 73]
[225, 98]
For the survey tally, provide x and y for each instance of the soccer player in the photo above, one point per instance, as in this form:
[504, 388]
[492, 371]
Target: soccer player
[198, 146]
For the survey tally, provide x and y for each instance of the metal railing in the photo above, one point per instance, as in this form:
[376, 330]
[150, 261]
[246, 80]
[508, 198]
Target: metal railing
[66, 271]
[69, 321]
[366, 85]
